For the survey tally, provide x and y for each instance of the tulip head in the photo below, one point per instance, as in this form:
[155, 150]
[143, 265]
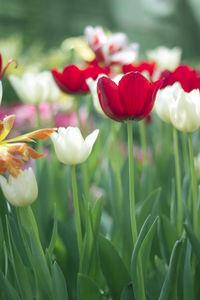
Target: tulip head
[165, 58]
[70, 147]
[185, 111]
[20, 191]
[131, 99]
[35, 88]
[164, 98]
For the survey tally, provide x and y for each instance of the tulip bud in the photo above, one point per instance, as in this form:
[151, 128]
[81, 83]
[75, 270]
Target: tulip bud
[70, 147]
[165, 58]
[164, 98]
[20, 191]
[185, 111]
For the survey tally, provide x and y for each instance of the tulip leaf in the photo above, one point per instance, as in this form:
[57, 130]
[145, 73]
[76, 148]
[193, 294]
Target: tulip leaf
[193, 240]
[188, 287]
[7, 291]
[54, 234]
[59, 283]
[96, 215]
[87, 288]
[142, 248]
[127, 293]
[113, 267]
[170, 284]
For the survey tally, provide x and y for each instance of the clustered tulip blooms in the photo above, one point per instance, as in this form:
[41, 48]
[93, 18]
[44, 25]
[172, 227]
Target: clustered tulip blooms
[131, 99]
[73, 79]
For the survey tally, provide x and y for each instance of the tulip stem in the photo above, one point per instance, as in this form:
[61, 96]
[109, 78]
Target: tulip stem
[178, 181]
[140, 281]
[29, 224]
[194, 185]
[76, 209]
[143, 138]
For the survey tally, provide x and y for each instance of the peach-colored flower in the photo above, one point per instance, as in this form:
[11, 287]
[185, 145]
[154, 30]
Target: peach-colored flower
[14, 151]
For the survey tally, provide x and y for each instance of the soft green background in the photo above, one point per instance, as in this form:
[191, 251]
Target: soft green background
[149, 22]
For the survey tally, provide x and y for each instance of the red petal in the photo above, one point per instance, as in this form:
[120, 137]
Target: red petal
[109, 98]
[155, 86]
[70, 80]
[134, 89]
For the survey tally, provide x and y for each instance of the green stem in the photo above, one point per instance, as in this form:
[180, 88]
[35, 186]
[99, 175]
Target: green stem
[76, 209]
[178, 181]
[143, 138]
[194, 186]
[185, 153]
[78, 112]
[29, 224]
[132, 207]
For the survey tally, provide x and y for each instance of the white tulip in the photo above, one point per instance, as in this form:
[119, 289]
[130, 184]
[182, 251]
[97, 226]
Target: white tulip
[165, 58]
[164, 98]
[20, 191]
[95, 37]
[35, 88]
[70, 147]
[1, 91]
[185, 111]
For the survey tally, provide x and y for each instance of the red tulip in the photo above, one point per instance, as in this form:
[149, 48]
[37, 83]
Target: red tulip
[188, 78]
[73, 80]
[133, 98]
[141, 67]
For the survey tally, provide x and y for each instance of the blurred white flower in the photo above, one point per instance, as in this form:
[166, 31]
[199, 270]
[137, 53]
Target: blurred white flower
[1, 91]
[70, 147]
[20, 191]
[164, 98]
[165, 58]
[95, 37]
[35, 88]
[185, 111]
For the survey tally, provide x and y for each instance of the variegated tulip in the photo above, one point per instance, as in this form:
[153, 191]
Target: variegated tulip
[20, 191]
[13, 152]
[70, 146]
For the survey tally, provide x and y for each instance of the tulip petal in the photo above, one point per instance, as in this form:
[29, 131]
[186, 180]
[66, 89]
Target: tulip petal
[5, 126]
[134, 89]
[109, 98]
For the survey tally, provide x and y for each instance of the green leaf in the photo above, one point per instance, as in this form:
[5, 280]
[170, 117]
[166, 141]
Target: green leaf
[142, 244]
[54, 234]
[96, 215]
[113, 268]
[170, 284]
[188, 287]
[193, 240]
[127, 293]
[87, 288]
[168, 236]
[59, 283]
[7, 290]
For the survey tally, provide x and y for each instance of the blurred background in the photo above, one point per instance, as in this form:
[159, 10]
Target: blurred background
[44, 24]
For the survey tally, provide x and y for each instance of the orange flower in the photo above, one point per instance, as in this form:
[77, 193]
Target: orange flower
[13, 152]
